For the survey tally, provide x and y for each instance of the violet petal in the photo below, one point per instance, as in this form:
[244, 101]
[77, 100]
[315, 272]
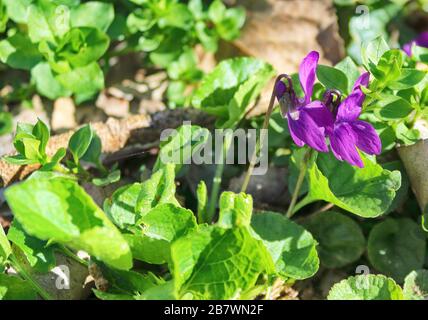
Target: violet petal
[320, 114]
[407, 48]
[350, 108]
[303, 129]
[363, 80]
[367, 137]
[342, 143]
[422, 39]
[280, 89]
[307, 73]
[291, 127]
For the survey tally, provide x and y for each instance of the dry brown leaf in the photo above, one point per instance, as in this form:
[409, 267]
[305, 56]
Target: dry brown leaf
[63, 114]
[114, 135]
[113, 106]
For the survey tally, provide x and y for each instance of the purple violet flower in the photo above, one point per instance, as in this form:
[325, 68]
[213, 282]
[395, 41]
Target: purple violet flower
[348, 133]
[421, 40]
[306, 120]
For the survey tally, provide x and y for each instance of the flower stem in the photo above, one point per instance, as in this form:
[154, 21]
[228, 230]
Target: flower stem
[260, 141]
[302, 173]
[215, 190]
[40, 290]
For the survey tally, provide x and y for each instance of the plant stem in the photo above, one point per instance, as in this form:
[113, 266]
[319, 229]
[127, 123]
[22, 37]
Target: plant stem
[217, 179]
[73, 256]
[40, 290]
[302, 173]
[260, 141]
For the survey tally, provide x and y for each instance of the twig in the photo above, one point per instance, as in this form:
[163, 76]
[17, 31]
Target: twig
[260, 142]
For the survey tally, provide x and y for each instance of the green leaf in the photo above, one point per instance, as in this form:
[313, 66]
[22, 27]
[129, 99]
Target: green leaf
[6, 123]
[47, 21]
[39, 174]
[197, 8]
[340, 238]
[102, 295]
[169, 49]
[55, 160]
[177, 16]
[129, 203]
[83, 81]
[386, 134]
[167, 222]
[3, 17]
[46, 83]
[367, 192]
[79, 47]
[372, 51]
[396, 247]
[24, 130]
[150, 250]
[332, 78]
[42, 133]
[405, 135]
[159, 227]
[159, 189]
[217, 263]
[179, 147]
[235, 209]
[175, 94]
[350, 69]
[416, 285]
[185, 68]
[388, 69]
[121, 207]
[31, 148]
[420, 54]
[93, 153]
[165, 291]
[39, 256]
[216, 11]
[130, 282]
[230, 24]
[112, 177]
[142, 19]
[19, 160]
[118, 29]
[366, 287]
[392, 107]
[13, 288]
[60, 210]
[5, 249]
[228, 90]
[408, 79]
[95, 14]
[402, 193]
[293, 249]
[17, 9]
[149, 42]
[18, 52]
[80, 141]
[207, 36]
